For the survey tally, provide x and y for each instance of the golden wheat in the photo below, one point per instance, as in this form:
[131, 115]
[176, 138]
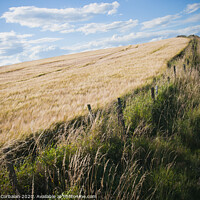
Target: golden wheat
[35, 94]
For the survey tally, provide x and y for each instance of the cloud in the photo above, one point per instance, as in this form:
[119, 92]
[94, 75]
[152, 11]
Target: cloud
[56, 19]
[155, 34]
[45, 51]
[192, 8]
[132, 38]
[43, 40]
[100, 8]
[172, 19]
[19, 47]
[11, 43]
[192, 19]
[156, 39]
[121, 26]
[160, 21]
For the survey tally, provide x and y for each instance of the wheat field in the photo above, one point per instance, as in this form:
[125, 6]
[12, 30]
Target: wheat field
[36, 94]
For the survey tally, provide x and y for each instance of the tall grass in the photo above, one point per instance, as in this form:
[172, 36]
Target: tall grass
[36, 94]
[158, 156]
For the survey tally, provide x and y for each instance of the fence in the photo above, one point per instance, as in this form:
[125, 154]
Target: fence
[154, 93]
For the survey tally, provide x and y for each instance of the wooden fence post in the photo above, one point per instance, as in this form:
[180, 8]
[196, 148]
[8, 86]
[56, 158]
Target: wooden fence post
[120, 114]
[184, 68]
[11, 171]
[90, 112]
[152, 93]
[156, 89]
[175, 71]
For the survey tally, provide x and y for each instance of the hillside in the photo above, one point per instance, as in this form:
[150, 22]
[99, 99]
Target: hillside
[36, 94]
[145, 145]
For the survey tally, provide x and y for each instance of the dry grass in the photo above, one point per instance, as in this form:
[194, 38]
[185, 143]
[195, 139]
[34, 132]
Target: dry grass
[34, 95]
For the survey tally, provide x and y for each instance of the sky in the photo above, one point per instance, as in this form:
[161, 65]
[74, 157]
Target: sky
[36, 29]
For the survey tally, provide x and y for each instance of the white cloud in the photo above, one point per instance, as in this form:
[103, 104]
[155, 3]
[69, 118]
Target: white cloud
[163, 34]
[192, 19]
[156, 39]
[132, 38]
[8, 35]
[18, 47]
[11, 43]
[43, 40]
[160, 21]
[192, 8]
[56, 19]
[100, 8]
[45, 51]
[121, 26]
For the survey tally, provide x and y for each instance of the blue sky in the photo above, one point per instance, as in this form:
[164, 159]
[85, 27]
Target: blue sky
[35, 29]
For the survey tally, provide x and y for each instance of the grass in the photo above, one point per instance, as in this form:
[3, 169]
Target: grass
[34, 95]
